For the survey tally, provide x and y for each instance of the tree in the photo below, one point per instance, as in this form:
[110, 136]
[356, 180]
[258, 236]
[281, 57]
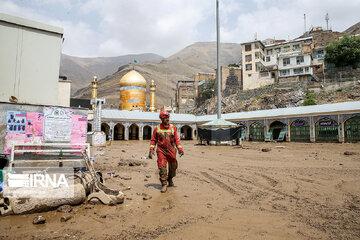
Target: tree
[344, 52]
[309, 100]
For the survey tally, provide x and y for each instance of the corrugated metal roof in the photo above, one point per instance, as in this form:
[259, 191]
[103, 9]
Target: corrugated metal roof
[280, 112]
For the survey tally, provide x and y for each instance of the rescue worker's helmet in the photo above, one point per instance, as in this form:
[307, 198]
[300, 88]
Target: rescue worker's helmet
[164, 114]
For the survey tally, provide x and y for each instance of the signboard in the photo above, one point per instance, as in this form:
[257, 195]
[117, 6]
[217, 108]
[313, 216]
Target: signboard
[57, 124]
[15, 121]
[326, 123]
[300, 123]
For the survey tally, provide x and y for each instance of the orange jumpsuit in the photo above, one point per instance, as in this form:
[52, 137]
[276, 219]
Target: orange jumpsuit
[167, 141]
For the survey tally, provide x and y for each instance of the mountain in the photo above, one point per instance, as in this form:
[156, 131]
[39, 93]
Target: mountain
[353, 30]
[81, 70]
[198, 57]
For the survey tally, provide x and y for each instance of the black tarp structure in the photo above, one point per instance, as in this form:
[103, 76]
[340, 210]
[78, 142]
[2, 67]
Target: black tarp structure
[220, 134]
[219, 130]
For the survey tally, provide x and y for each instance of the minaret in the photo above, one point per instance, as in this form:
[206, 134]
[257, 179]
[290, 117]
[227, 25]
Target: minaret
[94, 87]
[152, 96]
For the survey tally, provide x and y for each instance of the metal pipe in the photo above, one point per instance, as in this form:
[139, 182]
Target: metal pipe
[218, 60]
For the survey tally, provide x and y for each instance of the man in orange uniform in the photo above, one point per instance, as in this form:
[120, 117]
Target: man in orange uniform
[167, 140]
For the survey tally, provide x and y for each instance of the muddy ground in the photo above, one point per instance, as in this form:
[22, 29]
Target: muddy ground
[294, 191]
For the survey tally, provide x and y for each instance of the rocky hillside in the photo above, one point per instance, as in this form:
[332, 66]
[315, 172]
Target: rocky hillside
[81, 70]
[274, 96]
[354, 29]
[198, 57]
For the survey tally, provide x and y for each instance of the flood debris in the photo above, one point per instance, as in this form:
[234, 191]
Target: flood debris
[266, 149]
[65, 218]
[39, 220]
[349, 153]
[87, 186]
[64, 209]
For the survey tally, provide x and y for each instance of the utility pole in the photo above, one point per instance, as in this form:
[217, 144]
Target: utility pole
[304, 23]
[218, 59]
[327, 21]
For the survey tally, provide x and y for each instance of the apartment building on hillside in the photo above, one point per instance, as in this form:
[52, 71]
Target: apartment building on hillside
[253, 63]
[276, 62]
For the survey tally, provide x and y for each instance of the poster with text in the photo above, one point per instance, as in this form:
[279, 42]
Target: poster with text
[15, 122]
[78, 130]
[57, 124]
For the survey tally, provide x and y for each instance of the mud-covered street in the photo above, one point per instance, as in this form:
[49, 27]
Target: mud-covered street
[288, 191]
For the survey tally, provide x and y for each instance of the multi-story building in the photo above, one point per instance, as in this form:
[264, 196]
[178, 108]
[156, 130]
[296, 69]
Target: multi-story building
[185, 96]
[293, 57]
[253, 62]
[276, 62]
[201, 78]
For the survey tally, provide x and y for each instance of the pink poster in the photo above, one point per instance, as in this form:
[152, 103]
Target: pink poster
[34, 127]
[78, 129]
[13, 138]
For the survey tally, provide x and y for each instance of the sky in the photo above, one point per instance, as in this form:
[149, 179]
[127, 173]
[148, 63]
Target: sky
[105, 28]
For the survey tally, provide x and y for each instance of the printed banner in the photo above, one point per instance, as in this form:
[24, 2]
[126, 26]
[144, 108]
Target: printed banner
[57, 124]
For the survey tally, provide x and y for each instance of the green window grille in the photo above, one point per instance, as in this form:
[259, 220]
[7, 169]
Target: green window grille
[256, 132]
[352, 129]
[300, 131]
[326, 130]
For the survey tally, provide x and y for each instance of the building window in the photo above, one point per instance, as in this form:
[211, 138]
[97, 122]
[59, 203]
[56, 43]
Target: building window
[259, 66]
[257, 55]
[278, 50]
[249, 75]
[248, 67]
[298, 70]
[284, 72]
[299, 60]
[269, 52]
[268, 59]
[286, 61]
[296, 47]
[248, 47]
[307, 69]
[248, 58]
[286, 48]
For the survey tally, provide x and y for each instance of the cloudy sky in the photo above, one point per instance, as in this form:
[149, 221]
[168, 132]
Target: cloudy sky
[117, 27]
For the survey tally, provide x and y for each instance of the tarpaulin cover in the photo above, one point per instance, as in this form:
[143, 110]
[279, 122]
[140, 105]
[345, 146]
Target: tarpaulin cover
[220, 134]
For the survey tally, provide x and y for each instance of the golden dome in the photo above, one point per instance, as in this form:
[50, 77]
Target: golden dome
[133, 78]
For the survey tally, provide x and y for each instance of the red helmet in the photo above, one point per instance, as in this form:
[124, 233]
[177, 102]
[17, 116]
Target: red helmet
[164, 114]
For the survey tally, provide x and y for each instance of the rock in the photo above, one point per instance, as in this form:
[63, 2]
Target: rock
[266, 149]
[349, 153]
[146, 196]
[143, 157]
[126, 189]
[129, 198]
[103, 216]
[145, 180]
[123, 150]
[148, 176]
[65, 218]
[89, 207]
[64, 208]
[39, 220]
[133, 156]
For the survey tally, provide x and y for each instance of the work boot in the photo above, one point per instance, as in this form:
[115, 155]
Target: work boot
[170, 181]
[163, 188]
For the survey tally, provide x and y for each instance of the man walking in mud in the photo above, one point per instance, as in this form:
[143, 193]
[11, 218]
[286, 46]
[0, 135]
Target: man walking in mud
[166, 138]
